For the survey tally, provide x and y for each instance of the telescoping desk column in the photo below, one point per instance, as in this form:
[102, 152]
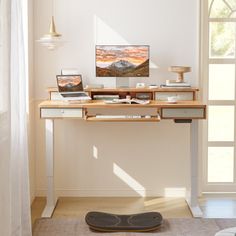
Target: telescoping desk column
[182, 112]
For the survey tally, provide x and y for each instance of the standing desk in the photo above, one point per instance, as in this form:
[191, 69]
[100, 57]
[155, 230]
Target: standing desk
[184, 111]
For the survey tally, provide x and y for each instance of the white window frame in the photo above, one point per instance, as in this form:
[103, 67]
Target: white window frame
[205, 62]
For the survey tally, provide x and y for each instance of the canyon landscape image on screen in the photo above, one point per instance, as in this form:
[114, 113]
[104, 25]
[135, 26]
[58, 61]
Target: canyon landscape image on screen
[69, 83]
[122, 61]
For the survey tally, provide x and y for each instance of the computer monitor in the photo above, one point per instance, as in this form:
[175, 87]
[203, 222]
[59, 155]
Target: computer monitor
[122, 61]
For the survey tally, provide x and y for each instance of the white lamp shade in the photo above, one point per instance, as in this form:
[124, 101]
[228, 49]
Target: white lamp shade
[51, 42]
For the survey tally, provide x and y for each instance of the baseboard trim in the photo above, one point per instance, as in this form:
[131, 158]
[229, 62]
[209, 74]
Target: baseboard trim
[103, 193]
[219, 194]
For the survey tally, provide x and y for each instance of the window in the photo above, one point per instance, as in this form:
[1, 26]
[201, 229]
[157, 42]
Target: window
[219, 78]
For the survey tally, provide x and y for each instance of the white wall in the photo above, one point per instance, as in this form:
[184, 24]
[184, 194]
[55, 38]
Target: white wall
[155, 156]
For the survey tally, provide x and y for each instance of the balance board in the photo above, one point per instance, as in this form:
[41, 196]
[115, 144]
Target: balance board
[106, 222]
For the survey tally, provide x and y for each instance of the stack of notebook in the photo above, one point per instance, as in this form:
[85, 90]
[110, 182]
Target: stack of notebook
[174, 84]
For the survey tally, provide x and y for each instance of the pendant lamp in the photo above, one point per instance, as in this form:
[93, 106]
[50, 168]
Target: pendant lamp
[52, 40]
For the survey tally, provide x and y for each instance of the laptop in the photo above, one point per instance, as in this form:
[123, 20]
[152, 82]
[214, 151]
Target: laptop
[71, 87]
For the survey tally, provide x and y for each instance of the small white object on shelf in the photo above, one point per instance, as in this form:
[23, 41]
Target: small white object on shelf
[140, 85]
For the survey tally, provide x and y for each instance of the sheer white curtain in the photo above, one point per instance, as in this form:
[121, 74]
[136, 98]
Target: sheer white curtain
[14, 178]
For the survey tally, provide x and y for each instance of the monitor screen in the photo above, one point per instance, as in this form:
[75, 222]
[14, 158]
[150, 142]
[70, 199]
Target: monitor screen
[122, 61]
[69, 83]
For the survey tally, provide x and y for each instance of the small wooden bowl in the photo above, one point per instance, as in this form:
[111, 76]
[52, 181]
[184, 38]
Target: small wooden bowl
[180, 70]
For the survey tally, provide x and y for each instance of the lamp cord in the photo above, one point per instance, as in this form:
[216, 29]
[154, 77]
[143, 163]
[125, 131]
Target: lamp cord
[53, 10]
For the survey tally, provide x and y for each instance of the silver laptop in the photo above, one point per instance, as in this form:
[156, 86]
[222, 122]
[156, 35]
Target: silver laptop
[71, 87]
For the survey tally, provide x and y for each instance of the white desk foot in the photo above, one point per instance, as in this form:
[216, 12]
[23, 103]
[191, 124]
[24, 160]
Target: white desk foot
[196, 211]
[48, 211]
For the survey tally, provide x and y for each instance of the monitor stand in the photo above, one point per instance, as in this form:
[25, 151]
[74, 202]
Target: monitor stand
[122, 82]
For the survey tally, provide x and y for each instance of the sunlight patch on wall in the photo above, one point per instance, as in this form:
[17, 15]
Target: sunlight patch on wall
[105, 35]
[175, 192]
[130, 181]
[95, 152]
[153, 65]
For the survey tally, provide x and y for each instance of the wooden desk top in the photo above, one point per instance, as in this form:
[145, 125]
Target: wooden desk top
[159, 89]
[101, 104]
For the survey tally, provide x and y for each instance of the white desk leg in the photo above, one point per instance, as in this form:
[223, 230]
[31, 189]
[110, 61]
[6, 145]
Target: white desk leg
[193, 193]
[51, 201]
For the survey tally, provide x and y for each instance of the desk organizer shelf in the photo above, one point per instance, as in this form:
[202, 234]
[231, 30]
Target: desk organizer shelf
[151, 94]
[186, 107]
[161, 94]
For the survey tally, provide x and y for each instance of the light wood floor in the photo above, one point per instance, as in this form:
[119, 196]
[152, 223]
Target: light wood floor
[74, 207]
[218, 207]
[169, 207]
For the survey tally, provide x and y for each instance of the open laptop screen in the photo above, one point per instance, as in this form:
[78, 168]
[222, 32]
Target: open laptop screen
[69, 83]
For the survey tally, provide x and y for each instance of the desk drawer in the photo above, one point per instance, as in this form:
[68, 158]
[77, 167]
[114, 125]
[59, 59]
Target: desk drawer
[61, 113]
[184, 96]
[179, 113]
